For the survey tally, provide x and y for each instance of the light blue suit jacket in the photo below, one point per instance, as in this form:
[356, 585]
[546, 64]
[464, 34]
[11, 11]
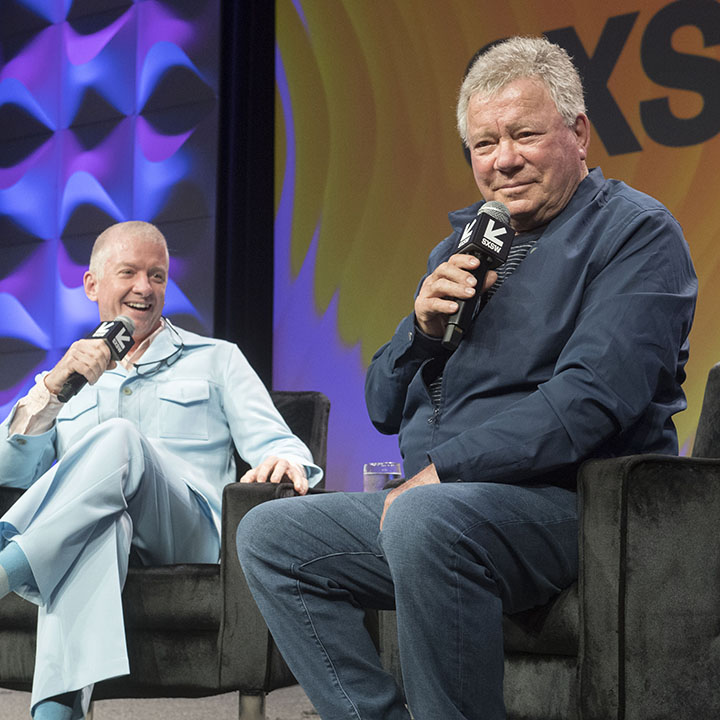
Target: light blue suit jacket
[194, 411]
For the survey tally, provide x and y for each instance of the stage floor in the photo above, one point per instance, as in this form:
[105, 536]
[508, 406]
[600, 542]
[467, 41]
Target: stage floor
[284, 704]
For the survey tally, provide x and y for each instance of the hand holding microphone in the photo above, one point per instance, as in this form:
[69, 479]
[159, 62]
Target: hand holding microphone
[487, 237]
[447, 300]
[86, 360]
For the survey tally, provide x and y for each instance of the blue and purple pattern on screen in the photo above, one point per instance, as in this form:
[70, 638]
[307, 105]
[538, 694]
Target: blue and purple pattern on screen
[108, 112]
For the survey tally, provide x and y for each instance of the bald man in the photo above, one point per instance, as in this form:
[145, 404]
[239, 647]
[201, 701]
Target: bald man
[143, 452]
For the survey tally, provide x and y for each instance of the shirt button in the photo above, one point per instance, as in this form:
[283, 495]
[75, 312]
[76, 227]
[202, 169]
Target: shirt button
[127, 391]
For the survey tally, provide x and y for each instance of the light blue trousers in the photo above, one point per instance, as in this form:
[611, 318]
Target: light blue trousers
[76, 525]
[451, 558]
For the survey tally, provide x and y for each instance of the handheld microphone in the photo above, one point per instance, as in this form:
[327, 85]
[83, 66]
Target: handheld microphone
[488, 237]
[117, 334]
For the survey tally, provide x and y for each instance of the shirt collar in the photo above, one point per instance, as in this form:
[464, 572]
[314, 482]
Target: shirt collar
[131, 358]
[588, 187]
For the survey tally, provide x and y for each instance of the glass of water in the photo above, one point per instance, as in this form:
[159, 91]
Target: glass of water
[377, 474]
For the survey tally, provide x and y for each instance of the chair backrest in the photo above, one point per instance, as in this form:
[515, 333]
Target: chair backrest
[306, 412]
[707, 437]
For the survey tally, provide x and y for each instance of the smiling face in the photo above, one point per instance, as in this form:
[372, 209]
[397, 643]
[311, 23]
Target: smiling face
[523, 153]
[131, 280]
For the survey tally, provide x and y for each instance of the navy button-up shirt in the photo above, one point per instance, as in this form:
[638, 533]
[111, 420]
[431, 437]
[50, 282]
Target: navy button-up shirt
[579, 354]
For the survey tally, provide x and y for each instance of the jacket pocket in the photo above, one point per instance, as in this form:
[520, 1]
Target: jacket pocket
[183, 409]
[80, 404]
[76, 419]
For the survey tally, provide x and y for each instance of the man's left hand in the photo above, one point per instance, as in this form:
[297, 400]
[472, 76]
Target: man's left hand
[274, 469]
[427, 476]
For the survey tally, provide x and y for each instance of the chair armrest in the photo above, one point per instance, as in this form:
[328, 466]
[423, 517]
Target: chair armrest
[245, 643]
[649, 587]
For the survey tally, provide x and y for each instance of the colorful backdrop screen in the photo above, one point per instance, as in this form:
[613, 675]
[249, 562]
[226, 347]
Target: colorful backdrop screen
[108, 112]
[368, 164]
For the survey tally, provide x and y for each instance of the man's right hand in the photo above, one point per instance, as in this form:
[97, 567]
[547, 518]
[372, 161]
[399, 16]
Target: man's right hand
[449, 281]
[89, 357]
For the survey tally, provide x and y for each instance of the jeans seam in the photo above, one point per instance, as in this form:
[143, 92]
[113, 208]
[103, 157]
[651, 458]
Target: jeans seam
[458, 632]
[326, 654]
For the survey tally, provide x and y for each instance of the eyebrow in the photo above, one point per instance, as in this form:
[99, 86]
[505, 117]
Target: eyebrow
[133, 266]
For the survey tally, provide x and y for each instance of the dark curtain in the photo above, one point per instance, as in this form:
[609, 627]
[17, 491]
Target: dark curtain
[244, 249]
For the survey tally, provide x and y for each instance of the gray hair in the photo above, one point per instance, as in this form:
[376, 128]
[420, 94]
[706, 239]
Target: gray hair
[136, 228]
[523, 57]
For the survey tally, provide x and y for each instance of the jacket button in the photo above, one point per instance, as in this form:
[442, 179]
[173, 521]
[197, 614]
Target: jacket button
[127, 391]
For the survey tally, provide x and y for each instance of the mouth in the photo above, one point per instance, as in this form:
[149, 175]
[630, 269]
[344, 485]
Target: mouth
[139, 306]
[511, 187]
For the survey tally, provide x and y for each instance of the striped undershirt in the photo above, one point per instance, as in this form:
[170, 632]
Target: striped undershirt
[522, 244]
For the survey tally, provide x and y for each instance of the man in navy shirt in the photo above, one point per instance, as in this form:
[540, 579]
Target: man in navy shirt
[578, 352]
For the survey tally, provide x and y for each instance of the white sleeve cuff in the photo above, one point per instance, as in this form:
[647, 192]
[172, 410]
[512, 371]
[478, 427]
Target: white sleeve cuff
[37, 411]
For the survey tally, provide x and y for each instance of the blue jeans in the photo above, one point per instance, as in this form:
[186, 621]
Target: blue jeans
[451, 558]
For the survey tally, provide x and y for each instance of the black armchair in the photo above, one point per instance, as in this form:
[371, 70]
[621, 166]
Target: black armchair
[637, 635]
[192, 630]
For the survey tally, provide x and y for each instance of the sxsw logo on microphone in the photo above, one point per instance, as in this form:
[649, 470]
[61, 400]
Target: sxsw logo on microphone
[487, 239]
[121, 342]
[103, 329]
[491, 238]
[116, 335]
[467, 233]
[490, 232]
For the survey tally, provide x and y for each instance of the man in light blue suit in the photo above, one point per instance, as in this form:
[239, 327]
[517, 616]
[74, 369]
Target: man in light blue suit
[143, 452]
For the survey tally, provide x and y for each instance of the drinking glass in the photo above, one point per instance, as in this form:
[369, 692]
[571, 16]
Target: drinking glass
[377, 474]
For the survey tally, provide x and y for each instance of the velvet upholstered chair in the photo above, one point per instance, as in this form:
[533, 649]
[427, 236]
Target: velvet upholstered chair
[638, 636]
[192, 630]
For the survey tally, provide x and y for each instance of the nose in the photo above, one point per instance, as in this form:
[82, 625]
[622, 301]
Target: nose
[142, 285]
[507, 156]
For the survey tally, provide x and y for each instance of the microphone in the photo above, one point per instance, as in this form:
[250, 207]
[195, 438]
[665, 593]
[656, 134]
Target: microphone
[488, 237]
[117, 334]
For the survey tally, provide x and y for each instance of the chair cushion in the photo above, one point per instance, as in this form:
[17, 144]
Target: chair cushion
[173, 597]
[553, 629]
[17, 614]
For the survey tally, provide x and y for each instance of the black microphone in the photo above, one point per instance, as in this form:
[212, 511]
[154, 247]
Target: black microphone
[117, 334]
[488, 237]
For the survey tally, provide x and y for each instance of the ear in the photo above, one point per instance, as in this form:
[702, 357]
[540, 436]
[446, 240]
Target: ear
[582, 134]
[90, 285]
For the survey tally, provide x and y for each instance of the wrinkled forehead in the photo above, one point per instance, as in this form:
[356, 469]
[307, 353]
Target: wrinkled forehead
[522, 103]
